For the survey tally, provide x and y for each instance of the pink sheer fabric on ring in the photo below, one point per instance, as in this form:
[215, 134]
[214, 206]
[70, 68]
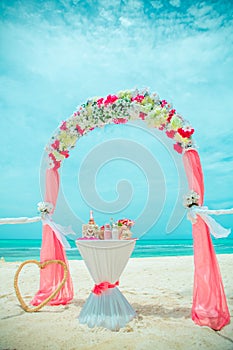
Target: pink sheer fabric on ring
[209, 300]
[52, 249]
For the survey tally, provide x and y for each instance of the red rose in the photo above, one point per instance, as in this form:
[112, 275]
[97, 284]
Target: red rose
[170, 115]
[100, 101]
[65, 153]
[138, 98]
[110, 99]
[79, 129]
[185, 132]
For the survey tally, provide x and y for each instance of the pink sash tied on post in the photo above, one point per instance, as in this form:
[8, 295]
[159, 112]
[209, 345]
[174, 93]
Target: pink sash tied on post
[209, 301]
[52, 249]
[103, 286]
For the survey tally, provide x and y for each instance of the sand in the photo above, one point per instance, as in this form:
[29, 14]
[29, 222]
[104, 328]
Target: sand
[159, 289]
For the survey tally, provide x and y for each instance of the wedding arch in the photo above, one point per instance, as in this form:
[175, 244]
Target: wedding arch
[209, 302]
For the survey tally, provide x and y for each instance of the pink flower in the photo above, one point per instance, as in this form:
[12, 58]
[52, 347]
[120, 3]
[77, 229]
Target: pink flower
[63, 126]
[162, 127]
[163, 103]
[170, 133]
[65, 153]
[119, 121]
[177, 147]
[142, 116]
[56, 163]
[80, 130]
[56, 144]
[126, 222]
[138, 98]
[185, 132]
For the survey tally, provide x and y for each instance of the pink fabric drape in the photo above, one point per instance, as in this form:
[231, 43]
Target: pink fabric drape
[209, 300]
[52, 249]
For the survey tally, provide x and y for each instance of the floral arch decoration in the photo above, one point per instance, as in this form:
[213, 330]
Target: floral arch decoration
[119, 109]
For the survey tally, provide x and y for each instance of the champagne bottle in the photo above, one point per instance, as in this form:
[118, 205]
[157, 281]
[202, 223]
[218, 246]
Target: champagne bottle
[91, 220]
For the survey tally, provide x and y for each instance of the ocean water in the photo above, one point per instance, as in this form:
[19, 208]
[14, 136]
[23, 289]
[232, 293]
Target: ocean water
[25, 249]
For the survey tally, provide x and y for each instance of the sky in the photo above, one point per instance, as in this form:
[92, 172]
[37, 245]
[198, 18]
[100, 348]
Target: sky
[57, 54]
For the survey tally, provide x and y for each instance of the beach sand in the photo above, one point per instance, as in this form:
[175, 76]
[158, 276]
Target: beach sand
[159, 289]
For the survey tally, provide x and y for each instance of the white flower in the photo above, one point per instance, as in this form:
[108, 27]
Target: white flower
[191, 199]
[45, 207]
[134, 111]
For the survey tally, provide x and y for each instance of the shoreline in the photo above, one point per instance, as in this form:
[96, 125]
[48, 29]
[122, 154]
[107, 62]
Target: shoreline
[3, 261]
[158, 288]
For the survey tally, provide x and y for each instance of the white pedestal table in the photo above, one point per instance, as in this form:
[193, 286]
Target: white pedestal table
[106, 306]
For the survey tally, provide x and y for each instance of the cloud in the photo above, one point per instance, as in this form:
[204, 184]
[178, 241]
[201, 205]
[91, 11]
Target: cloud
[156, 4]
[175, 3]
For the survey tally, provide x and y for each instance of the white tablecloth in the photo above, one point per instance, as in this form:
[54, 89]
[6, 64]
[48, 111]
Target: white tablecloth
[106, 261]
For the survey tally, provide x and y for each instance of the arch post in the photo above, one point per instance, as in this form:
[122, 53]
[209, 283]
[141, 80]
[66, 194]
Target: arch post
[209, 301]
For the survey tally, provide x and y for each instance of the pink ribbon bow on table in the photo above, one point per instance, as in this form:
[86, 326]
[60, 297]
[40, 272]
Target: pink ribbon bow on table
[103, 286]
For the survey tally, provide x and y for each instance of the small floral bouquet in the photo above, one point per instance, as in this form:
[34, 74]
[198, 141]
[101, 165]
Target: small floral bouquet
[191, 199]
[124, 226]
[45, 207]
[125, 222]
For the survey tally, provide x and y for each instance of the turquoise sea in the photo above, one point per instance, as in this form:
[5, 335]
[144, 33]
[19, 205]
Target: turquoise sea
[24, 249]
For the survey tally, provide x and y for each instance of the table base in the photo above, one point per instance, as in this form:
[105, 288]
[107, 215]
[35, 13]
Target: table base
[109, 310]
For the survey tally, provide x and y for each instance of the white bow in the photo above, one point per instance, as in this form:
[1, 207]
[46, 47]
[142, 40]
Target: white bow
[60, 231]
[215, 228]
